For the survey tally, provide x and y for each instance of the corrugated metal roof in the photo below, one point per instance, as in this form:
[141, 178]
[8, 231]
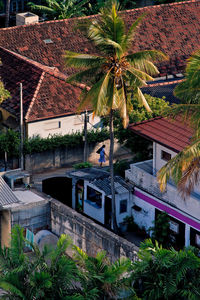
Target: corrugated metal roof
[101, 179]
[172, 134]
[121, 186]
[6, 194]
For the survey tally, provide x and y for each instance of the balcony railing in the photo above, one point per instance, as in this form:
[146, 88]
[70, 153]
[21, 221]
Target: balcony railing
[141, 174]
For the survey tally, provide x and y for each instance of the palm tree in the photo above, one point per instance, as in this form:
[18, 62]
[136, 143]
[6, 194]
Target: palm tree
[184, 169]
[166, 274]
[49, 274]
[115, 75]
[108, 278]
[60, 9]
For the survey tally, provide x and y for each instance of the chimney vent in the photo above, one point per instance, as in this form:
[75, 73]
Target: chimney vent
[26, 18]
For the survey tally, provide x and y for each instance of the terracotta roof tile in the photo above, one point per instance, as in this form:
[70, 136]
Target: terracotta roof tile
[170, 133]
[45, 92]
[173, 28]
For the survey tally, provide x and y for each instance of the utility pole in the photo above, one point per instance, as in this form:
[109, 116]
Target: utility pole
[21, 129]
[85, 135]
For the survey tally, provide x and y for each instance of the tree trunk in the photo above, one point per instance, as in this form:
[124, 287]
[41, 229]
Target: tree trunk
[7, 13]
[113, 216]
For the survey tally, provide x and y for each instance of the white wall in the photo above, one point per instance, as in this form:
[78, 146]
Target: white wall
[146, 216]
[92, 209]
[125, 196]
[62, 125]
[149, 183]
[158, 161]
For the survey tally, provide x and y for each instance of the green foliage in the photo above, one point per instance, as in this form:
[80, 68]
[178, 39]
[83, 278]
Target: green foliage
[60, 9]
[183, 169]
[120, 166]
[82, 165]
[159, 274]
[38, 144]
[51, 274]
[4, 94]
[132, 226]
[161, 230]
[163, 274]
[138, 113]
[138, 145]
[9, 142]
[1, 6]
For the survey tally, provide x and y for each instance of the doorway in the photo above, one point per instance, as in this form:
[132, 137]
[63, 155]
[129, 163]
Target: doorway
[59, 188]
[107, 212]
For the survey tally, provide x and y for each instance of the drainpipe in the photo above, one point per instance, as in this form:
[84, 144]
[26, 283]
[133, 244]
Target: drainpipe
[154, 159]
[21, 129]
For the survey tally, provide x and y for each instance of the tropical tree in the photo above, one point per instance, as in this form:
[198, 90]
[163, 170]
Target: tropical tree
[162, 274]
[51, 274]
[109, 279]
[115, 75]
[184, 169]
[60, 9]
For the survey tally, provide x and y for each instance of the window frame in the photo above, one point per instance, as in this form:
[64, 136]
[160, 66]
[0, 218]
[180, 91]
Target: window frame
[164, 155]
[120, 206]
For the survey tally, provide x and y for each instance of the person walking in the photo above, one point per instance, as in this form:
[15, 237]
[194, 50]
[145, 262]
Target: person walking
[102, 155]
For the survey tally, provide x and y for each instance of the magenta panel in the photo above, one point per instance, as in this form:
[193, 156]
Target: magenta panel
[168, 210]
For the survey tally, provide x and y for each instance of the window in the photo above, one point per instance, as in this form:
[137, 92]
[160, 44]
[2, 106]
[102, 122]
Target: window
[165, 155]
[94, 196]
[123, 206]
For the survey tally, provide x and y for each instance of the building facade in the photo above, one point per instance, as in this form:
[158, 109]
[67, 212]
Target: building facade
[168, 138]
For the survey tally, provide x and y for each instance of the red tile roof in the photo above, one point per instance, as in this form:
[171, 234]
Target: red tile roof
[172, 134]
[173, 28]
[45, 92]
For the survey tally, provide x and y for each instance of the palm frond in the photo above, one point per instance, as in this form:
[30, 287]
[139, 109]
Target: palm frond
[129, 37]
[151, 55]
[188, 90]
[142, 99]
[83, 76]
[11, 289]
[82, 60]
[108, 32]
[180, 169]
[41, 8]
[122, 104]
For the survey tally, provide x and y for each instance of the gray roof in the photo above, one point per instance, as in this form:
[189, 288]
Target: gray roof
[6, 194]
[101, 179]
[89, 173]
[120, 185]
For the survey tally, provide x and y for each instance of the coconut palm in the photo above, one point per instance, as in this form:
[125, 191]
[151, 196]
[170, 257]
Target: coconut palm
[184, 169]
[189, 90]
[60, 9]
[115, 75]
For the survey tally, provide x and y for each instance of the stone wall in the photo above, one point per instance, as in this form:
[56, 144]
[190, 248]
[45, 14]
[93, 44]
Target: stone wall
[65, 156]
[88, 235]
[35, 216]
